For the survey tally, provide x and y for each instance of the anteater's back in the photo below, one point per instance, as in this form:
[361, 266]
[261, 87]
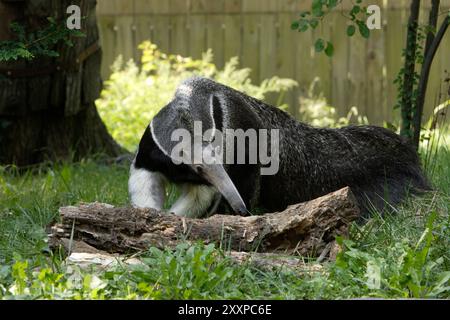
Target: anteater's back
[380, 167]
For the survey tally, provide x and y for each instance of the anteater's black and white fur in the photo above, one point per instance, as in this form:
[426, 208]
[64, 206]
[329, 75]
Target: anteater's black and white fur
[380, 167]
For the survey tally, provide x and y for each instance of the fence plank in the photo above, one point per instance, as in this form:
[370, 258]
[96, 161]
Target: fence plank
[233, 6]
[269, 51]
[215, 37]
[340, 65]
[357, 74]
[143, 30]
[197, 35]
[233, 37]
[321, 62]
[268, 43]
[161, 32]
[293, 6]
[286, 58]
[107, 7]
[124, 34]
[250, 45]
[253, 6]
[216, 6]
[148, 6]
[108, 43]
[395, 37]
[177, 7]
[304, 71]
[375, 77]
[179, 39]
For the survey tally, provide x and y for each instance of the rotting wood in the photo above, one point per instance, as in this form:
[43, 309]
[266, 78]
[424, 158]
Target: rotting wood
[305, 229]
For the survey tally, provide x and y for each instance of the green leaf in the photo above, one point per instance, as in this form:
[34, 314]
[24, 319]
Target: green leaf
[444, 278]
[363, 30]
[329, 50]
[332, 4]
[28, 45]
[317, 8]
[351, 30]
[319, 45]
[23, 53]
[355, 10]
[314, 23]
[295, 25]
[304, 24]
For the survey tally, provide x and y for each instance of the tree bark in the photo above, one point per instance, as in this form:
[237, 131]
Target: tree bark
[307, 228]
[409, 70]
[47, 105]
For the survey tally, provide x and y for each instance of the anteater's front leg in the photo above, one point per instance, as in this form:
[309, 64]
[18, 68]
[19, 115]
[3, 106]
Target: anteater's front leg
[146, 188]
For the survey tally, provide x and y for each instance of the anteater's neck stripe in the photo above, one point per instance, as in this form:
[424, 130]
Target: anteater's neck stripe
[211, 113]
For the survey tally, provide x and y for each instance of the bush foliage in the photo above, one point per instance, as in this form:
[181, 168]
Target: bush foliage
[315, 110]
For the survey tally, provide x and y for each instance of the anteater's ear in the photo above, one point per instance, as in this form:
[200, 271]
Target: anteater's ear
[215, 107]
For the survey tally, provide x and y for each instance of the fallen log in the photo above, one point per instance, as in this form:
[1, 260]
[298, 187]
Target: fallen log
[307, 228]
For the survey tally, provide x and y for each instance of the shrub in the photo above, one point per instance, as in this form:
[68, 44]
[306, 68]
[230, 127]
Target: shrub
[314, 109]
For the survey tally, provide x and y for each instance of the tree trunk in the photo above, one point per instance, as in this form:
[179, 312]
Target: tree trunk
[409, 70]
[47, 105]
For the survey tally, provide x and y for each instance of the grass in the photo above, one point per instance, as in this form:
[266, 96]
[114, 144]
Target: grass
[398, 256]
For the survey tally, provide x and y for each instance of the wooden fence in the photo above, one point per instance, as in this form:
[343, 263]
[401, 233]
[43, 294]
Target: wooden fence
[361, 72]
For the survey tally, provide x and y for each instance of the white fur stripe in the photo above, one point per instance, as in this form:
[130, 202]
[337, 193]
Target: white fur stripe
[146, 188]
[211, 113]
